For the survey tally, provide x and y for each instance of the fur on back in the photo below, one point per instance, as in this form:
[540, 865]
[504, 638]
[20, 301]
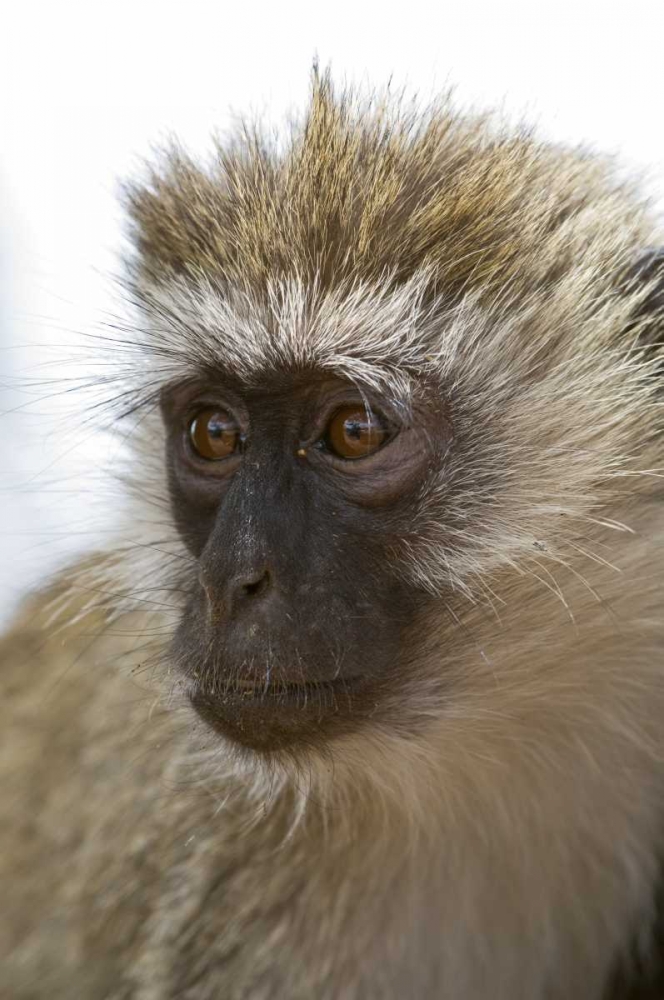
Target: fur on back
[501, 838]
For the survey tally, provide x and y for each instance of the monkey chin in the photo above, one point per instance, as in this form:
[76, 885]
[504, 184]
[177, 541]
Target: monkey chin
[287, 717]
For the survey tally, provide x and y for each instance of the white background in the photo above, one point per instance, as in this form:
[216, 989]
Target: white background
[87, 88]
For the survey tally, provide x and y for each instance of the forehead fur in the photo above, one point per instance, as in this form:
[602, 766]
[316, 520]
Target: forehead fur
[336, 246]
[364, 189]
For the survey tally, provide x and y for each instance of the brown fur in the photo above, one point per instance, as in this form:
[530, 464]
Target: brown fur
[502, 838]
[365, 191]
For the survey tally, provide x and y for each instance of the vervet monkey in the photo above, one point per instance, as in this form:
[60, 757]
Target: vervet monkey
[366, 699]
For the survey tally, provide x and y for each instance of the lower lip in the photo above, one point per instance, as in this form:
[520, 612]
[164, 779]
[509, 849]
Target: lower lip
[261, 711]
[273, 719]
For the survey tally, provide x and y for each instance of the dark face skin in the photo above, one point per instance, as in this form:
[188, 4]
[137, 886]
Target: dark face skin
[294, 500]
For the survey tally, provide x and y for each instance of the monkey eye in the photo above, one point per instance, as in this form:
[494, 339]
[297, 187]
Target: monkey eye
[214, 434]
[355, 431]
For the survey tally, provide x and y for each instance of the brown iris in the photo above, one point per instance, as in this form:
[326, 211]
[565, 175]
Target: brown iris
[355, 432]
[214, 434]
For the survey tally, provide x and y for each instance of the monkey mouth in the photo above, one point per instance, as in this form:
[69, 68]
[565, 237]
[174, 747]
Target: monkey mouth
[248, 689]
[273, 716]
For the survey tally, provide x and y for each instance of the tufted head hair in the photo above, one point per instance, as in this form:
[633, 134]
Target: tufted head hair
[419, 251]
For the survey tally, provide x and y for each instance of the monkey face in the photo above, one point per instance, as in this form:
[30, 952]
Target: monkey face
[404, 385]
[293, 498]
[354, 474]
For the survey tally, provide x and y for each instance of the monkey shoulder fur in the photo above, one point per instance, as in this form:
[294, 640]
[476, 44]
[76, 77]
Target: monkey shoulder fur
[365, 701]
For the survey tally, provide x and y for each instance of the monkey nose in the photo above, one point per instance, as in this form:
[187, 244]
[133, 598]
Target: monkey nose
[241, 589]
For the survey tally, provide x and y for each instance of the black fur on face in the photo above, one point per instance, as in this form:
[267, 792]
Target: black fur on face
[299, 618]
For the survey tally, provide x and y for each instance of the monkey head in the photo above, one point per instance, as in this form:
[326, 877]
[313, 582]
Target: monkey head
[399, 369]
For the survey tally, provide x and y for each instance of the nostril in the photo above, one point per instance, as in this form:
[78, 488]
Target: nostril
[226, 599]
[256, 587]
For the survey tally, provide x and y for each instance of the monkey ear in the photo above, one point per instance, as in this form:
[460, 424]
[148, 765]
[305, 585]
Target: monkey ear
[648, 270]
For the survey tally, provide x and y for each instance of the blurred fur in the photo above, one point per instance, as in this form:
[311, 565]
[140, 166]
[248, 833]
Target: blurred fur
[502, 839]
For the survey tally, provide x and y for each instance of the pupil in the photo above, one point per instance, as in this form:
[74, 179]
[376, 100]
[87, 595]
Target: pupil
[354, 429]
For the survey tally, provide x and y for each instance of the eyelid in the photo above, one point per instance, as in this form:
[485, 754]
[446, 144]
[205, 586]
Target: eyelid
[197, 405]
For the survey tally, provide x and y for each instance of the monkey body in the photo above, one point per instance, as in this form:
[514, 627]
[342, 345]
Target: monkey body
[485, 875]
[372, 706]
